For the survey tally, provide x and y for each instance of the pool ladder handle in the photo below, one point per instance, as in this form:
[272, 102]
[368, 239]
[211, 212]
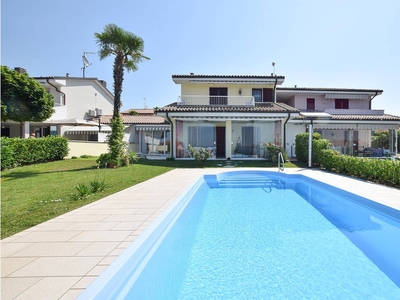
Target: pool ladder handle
[281, 160]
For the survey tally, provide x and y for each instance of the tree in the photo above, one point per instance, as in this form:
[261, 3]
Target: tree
[23, 99]
[128, 50]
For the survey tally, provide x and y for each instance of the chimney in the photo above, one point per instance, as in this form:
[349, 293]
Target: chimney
[104, 83]
[20, 70]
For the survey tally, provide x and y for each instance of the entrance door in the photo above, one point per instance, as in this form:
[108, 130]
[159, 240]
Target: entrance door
[220, 153]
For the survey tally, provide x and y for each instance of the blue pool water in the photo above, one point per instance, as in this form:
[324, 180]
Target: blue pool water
[254, 235]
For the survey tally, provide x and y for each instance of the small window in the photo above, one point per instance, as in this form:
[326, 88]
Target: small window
[341, 103]
[310, 104]
[257, 94]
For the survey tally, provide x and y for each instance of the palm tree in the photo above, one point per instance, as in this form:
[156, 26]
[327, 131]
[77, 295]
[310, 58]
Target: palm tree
[128, 50]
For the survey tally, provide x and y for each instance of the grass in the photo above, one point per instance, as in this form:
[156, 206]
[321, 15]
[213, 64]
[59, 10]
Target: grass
[34, 194]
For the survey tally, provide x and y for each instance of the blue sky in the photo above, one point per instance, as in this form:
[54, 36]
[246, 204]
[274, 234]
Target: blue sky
[349, 44]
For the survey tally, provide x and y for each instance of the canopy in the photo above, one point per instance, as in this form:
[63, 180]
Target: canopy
[71, 122]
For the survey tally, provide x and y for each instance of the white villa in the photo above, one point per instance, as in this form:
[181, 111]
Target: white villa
[234, 115]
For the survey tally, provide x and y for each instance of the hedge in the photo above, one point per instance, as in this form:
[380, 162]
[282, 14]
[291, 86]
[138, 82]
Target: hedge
[18, 152]
[383, 171]
[318, 144]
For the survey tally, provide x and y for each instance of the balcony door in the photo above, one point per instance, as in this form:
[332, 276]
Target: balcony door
[218, 96]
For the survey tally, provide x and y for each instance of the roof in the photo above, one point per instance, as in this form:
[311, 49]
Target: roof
[366, 117]
[228, 79]
[139, 111]
[349, 117]
[268, 107]
[101, 83]
[138, 119]
[229, 76]
[314, 89]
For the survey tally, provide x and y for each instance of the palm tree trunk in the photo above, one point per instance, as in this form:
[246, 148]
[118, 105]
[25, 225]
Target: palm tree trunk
[118, 74]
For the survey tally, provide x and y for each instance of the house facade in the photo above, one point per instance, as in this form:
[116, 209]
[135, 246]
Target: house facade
[235, 116]
[75, 98]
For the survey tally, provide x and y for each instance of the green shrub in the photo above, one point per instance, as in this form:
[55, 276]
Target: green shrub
[318, 145]
[273, 151]
[18, 152]
[103, 159]
[97, 186]
[384, 171]
[84, 191]
[200, 154]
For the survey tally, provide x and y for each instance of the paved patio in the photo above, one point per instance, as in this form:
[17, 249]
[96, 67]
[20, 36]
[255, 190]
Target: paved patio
[58, 259]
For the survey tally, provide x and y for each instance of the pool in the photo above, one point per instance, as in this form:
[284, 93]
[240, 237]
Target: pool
[260, 234]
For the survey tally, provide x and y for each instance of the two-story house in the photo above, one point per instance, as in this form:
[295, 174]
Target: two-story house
[76, 100]
[234, 116]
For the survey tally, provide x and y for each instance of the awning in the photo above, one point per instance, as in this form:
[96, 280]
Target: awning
[353, 126]
[346, 96]
[316, 115]
[87, 129]
[152, 127]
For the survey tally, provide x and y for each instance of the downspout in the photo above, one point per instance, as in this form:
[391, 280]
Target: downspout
[284, 131]
[171, 135]
[58, 90]
[370, 104]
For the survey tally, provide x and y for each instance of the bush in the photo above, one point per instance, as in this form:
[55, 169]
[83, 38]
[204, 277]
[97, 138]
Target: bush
[318, 145]
[18, 152]
[201, 154]
[103, 159]
[273, 151]
[384, 171]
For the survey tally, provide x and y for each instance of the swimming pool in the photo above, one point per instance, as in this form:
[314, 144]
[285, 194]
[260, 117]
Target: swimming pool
[254, 234]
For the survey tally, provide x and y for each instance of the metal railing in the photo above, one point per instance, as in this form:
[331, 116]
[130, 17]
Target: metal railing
[215, 100]
[281, 160]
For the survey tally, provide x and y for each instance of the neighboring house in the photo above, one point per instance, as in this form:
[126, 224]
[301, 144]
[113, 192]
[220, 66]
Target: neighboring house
[234, 116]
[146, 133]
[76, 100]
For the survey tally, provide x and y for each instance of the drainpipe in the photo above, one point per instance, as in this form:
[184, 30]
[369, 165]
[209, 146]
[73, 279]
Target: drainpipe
[276, 82]
[58, 90]
[310, 134]
[171, 146]
[284, 132]
[370, 104]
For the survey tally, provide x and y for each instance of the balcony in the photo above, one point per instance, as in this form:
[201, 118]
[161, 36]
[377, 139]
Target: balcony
[216, 100]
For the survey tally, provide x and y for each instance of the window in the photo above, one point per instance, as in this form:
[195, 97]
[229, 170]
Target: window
[341, 103]
[310, 104]
[201, 136]
[257, 94]
[219, 96]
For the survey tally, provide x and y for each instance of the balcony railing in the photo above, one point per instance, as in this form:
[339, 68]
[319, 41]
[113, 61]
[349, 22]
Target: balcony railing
[216, 100]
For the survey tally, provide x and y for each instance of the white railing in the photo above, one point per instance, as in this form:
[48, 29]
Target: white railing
[216, 100]
[281, 160]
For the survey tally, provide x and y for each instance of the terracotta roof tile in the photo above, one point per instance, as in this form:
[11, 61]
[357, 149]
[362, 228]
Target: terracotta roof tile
[259, 107]
[280, 88]
[138, 119]
[360, 118]
[226, 76]
[366, 117]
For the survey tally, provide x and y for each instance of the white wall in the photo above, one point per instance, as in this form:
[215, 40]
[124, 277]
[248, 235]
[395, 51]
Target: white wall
[291, 131]
[78, 148]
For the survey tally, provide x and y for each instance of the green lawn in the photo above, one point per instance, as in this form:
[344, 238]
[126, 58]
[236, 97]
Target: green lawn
[33, 194]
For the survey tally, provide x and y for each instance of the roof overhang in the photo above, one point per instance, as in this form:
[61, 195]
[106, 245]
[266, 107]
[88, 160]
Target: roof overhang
[255, 80]
[316, 115]
[199, 116]
[152, 127]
